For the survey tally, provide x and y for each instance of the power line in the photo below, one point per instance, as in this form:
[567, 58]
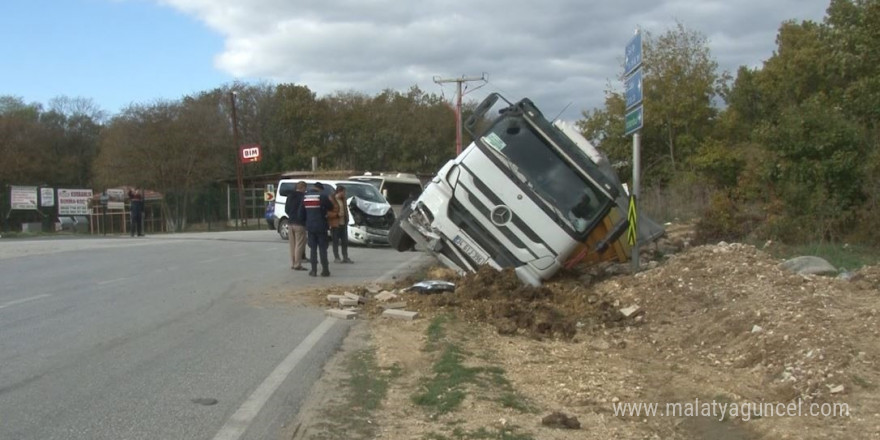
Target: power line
[459, 81]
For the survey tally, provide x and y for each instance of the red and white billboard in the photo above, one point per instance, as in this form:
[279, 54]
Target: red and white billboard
[250, 153]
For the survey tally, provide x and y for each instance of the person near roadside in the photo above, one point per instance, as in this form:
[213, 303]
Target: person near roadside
[313, 213]
[296, 228]
[338, 220]
[137, 212]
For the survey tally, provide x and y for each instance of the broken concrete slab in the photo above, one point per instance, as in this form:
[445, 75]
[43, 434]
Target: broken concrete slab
[347, 302]
[809, 265]
[334, 298]
[341, 314]
[385, 296]
[400, 314]
[394, 305]
[629, 312]
[356, 297]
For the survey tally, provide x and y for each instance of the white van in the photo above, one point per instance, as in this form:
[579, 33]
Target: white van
[396, 187]
[371, 215]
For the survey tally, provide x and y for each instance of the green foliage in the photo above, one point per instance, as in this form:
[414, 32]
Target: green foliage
[808, 122]
[174, 148]
[54, 147]
[719, 163]
[818, 175]
[680, 84]
[722, 220]
[447, 388]
[445, 391]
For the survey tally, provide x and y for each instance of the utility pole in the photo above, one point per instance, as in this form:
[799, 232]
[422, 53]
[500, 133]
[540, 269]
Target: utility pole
[239, 167]
[458, 82]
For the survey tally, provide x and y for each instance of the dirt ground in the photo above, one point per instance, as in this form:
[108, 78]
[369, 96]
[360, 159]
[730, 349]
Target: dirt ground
[720, 323]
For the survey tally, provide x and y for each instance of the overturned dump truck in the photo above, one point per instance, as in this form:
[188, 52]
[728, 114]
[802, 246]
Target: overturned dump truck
[527, 194]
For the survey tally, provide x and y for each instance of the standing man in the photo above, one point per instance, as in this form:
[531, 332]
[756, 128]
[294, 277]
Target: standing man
[339, 226]
[137, 211]
[313, 213]
[296, 229]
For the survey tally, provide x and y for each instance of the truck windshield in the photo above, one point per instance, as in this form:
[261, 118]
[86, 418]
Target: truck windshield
[565, 192]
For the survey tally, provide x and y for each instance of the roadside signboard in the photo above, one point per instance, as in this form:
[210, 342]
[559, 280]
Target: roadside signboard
[74, 201]
[634, 121]
[23, 197]
[633, 89]
[633, 56]
[47, 197]
[115, 199]
[250, 153]
[634, 117]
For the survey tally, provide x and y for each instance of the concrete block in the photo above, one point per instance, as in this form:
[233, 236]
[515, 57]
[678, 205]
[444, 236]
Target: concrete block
[334, 298]
[355, 297]
[347, 302]
[400, 314]
[341, 314]
[31, 227]
[394, 305]
[631, 311]
[385, 296]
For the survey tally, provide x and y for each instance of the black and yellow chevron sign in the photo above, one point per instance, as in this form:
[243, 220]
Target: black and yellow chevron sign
[633, 219]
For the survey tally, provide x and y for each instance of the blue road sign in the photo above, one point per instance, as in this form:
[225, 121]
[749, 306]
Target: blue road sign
[633, 56]
[633, 87]
[634, 121]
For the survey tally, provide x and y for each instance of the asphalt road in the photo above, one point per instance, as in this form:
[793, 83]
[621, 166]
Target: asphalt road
[163, 337]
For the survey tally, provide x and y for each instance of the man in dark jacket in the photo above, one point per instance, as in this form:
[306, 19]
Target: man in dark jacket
[137, 212]
[313, 213]
[296, 229]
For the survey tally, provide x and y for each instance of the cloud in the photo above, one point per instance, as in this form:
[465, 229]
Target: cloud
[557, 53]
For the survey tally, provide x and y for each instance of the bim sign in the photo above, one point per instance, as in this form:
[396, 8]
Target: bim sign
[250, 153]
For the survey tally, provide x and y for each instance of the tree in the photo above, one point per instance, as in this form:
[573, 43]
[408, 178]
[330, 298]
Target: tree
[680, 86]
[174, 148]
[293, 128]
[680, 89]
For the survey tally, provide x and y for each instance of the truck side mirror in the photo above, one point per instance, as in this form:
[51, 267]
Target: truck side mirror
[480, 112]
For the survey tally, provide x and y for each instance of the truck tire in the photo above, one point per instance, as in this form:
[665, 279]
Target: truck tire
[397, 237]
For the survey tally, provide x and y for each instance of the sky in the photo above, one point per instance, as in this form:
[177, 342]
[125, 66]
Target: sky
[562, 54]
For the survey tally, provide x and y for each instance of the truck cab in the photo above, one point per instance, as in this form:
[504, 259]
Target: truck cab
[525, 194]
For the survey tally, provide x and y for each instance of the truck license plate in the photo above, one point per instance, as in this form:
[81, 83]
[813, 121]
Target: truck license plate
[469, 250]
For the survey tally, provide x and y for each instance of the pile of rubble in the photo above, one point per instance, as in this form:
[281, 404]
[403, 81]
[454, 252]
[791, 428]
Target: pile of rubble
[347, 305]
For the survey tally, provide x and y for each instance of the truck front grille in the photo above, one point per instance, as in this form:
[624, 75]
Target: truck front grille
[481, 236]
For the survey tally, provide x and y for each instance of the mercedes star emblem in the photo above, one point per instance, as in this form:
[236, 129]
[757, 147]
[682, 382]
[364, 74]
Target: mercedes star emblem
[501, 215]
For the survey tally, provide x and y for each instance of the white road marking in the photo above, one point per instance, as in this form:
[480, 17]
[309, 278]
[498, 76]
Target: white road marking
[235, 427]
[239, 422]
[23, 300]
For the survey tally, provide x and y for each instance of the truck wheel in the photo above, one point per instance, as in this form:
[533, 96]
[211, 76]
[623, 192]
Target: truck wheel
[282, 229]
[397, 237]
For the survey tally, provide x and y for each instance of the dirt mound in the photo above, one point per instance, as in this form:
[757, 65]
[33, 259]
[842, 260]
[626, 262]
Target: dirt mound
[732, 305]
[718, 322]
[557, 309]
